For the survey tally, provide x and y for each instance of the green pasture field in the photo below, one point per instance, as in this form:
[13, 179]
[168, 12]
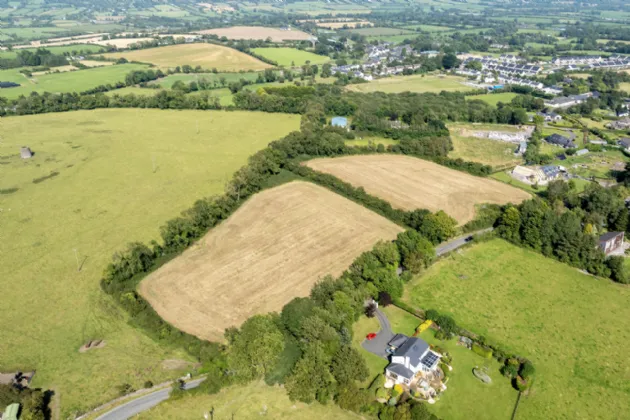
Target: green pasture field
[138, 91]
[250, 401]
[367, 141]
[415, 83]
[290, 57]
[494, 98]
[379, 31]
[550, 32]
[495, 153]
[122, 173]
[214, 78]
[625, 87]
[429, 28]
[86, 48]
[74, 81]
[570, 325]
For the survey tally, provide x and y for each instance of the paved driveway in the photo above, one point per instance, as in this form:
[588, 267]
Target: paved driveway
[378, 344]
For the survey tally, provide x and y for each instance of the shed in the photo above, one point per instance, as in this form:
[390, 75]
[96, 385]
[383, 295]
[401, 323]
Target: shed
[11, 412]
[611, 241]
[26, 153]
[581, 152]
[339, 122]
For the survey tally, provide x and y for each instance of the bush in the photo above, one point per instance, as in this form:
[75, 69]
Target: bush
[124, 389]
[431, 314]
[382, 393]
[482, 351]
[509, 371]
[148, 384]
[521, 384]
[397, 391]
[445, 369]
[527, 370]
[384, 299]
[377, 384]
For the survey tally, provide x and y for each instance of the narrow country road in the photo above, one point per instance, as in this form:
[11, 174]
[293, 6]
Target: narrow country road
[458, 242]
[133, 407]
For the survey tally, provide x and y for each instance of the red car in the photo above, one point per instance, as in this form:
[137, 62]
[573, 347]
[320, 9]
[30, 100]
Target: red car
[371, 336]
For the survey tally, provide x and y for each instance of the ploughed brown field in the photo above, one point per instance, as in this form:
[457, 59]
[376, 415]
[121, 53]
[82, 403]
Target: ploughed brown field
[410, 183]
[274, 248]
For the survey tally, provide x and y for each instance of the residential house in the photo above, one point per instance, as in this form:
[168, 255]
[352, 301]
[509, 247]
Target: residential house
[550, 116]
[558, 140]
[624, 143]
[412, 356]
[550, 172]
[611, 241]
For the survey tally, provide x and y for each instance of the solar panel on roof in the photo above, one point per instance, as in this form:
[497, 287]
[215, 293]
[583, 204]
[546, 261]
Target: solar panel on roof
[429, 359]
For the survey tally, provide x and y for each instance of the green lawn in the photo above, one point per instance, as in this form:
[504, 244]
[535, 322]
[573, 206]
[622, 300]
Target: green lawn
[415, 83]
[466, 396]
[121, 174]
[572, 326]
[251, 401]
[75, 81]
[290, 57]
[495, 98]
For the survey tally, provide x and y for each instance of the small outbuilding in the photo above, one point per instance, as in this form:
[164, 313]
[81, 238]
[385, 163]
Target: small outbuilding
[611, 241]
[11, 412]
[26, 153]
[339, 122]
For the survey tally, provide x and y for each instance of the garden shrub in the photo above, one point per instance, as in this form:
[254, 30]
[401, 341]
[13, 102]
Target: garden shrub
[424, 326]
[509, 371]
[482, 351]
[521, 384]
[527, 369]
[377, 383]
[392, 401]
[382, 393]
[445, 369]
[397, 390]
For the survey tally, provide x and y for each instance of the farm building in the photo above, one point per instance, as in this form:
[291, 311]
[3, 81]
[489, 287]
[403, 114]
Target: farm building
[339, 122]
[581, 152]
[611, 241]
[26, 152]
[550, 116]
[558, 140]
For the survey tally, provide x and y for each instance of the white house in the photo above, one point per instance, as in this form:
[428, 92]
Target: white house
[411, 357]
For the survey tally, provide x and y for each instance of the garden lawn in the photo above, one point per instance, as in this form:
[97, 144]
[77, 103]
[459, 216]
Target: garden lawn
[122, 173]
[415, 83]
[290, 57]
[495, 153]
[75, 81]
[495, 98]
[250, 401]
[466, 396]
[572, 326]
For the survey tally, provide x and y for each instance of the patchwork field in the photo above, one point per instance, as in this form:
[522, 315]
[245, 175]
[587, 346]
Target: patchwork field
[274, 248]
[415, 83]
[410, 183]
[205, 55]
[250, 401]
[258, 32]
[76, 81]
[98, 180]
[536, 307]
[290, 56]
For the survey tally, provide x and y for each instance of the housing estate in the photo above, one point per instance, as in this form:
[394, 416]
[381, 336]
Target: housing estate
[410, 355]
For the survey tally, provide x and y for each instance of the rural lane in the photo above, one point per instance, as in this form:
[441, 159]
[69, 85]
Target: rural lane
[456, 243]
[133, 407]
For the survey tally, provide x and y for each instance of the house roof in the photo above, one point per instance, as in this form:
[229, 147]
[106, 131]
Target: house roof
[400, 370]
[414, 349]
[430, 359]
[625, 142]
[339, 122]
[560, 140]
[608, 236]
[398, 340]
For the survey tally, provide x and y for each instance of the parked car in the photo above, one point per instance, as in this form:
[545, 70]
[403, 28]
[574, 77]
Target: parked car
[370, 336]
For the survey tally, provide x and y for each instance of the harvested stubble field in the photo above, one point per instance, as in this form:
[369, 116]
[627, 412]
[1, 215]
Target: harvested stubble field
[121, 173]
[257, 32]
[410, 183]
[204, 55]
[274, 248]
